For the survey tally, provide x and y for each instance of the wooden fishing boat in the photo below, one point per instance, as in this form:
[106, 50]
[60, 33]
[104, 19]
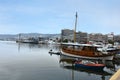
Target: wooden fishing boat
[89, 65]
[86, 51]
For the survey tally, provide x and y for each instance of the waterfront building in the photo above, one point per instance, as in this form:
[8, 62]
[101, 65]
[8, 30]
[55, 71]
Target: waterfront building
[81, 37]
[97, 37]
[111, 36]
[67, 34]
[117, 38]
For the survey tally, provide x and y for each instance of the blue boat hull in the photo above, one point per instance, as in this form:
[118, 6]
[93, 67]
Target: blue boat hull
[96, 68]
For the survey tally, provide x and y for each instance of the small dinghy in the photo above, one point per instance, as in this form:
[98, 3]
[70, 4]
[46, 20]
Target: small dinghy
[89, 65]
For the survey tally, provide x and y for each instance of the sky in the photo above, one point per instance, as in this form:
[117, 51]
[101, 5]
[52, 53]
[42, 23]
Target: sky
[51, 16]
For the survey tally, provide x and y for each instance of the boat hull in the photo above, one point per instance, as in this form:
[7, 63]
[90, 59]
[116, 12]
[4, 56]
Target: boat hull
[96, 68]
[109, 57]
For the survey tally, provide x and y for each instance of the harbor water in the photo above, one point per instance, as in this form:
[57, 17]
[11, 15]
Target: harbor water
[20, 61]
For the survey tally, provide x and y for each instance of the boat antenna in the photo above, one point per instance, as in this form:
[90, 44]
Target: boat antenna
[75, 27]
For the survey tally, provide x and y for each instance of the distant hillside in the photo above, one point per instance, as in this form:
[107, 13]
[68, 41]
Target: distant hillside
[7, 37]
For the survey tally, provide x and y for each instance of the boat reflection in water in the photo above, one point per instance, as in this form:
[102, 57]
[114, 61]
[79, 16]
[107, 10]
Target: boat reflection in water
[69, 63]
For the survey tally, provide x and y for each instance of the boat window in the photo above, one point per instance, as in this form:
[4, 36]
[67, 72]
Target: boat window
[78, 47]
[70, 46]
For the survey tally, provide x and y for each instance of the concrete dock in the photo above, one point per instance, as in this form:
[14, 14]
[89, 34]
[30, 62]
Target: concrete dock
[116, 76]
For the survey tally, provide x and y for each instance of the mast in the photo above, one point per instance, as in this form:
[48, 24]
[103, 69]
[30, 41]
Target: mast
[75, 27]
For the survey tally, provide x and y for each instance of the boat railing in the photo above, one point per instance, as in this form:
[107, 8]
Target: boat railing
[77, 52]
[85, 53]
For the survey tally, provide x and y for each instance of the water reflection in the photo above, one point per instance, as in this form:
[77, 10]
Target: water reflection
[32, 46]
[110, 68]
[20, 61]
[27, 62]
[68, 63]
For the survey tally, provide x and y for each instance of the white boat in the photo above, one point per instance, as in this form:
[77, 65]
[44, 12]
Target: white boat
[108, 48]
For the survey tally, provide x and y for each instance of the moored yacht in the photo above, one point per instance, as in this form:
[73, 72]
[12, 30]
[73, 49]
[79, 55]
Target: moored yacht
[86, 51]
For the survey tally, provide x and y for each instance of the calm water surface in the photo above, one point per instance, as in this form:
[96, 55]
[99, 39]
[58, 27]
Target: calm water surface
[33, 62]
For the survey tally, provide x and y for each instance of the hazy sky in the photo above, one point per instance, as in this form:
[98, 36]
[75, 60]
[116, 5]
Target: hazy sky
[50, 16]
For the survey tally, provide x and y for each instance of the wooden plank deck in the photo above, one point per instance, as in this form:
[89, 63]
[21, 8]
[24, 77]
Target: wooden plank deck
[116, 76]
